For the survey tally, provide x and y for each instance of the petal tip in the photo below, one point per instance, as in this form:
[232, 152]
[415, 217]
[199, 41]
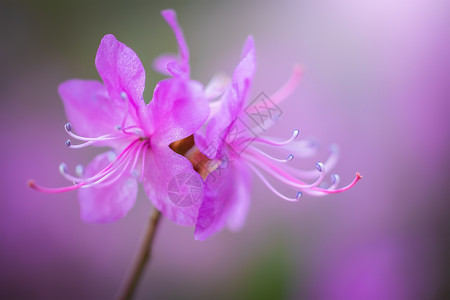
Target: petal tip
[168, 14]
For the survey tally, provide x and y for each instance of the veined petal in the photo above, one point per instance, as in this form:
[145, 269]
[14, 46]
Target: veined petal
[89, 108]
[226, 200]
[172, 185]
[178, 67]
[230, 105]
[177, 110]
[121, 71]
[109, 203]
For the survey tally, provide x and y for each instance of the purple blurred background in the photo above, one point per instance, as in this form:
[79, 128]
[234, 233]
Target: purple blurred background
[376, 82]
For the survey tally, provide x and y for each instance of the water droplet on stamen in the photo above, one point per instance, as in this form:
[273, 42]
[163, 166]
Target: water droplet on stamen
[68, 126]
[123, 95]
[68, 143]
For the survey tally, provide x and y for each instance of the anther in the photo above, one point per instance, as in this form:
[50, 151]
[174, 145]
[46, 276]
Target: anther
[334, 178]
[68, 126]
[79, 170]
[68, 143]
[123, 95]
[62, 168]
[290, 157]
[299, 195]
[334, 148]
[320, 167]
[296, 133]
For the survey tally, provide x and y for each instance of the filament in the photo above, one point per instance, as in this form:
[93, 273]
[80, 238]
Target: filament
[283, 176]
[99, 177]
[347, 187]
[268, 141]
[267, 183]
[285, 160]
[287, 89]
[309, 174]
[106, 137]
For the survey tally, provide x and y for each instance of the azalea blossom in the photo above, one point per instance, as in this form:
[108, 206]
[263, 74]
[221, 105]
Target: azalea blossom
[114, 114]
[227, 189]
[226, 160]
[209, 186]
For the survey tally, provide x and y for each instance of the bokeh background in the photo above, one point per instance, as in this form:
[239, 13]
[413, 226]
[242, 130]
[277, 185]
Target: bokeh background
[376, 82]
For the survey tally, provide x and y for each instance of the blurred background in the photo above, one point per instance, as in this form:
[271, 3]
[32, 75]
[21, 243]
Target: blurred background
[376, 82]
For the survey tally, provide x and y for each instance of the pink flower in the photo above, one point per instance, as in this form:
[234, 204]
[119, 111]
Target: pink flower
[114, 114]
[232, 158]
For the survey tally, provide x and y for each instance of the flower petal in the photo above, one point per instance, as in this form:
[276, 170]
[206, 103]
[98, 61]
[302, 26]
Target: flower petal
[242, 195]
[89, 108]
[121, 71]
[172, 185]
[109, 203]
[226, 200]
[177, 110]
[160, 63]
[230, 105]
[178, 67]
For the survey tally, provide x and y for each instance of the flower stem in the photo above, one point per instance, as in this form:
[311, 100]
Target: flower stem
[143, 257]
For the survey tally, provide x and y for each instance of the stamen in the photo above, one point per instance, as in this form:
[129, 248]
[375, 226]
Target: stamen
[125, 130]
[143, 162]
[109, 174]
[320, 167]
[115, 160]
[79, 146]
[288, 159]
[125, 117]
[42, 189]
[64, 172]
[97, 178]
[106, 137]
[281, 174]
[62, 168]
[141, 146]
[101, 183]
[79, 170]
[287, 89]
[334, 179]
[268, 141]
[328, 164]
[349, 186]
[303, 148]
[267, 183]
